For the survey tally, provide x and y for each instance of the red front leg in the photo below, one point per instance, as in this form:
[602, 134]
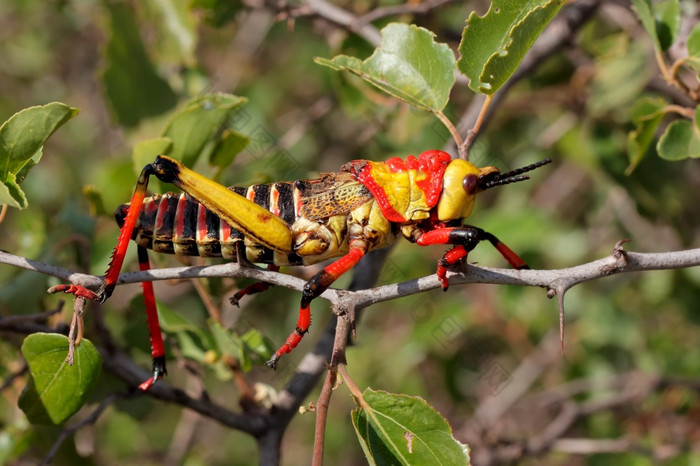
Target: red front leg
[465, 238]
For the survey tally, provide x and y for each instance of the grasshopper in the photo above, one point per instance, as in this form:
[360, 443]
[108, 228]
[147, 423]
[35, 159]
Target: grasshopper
[365, 206]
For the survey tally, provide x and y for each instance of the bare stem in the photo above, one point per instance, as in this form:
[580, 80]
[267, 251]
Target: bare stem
[472, 133]
[75, 335]
[352, 386]
[450, 127]
[685, 112]
[322, 415]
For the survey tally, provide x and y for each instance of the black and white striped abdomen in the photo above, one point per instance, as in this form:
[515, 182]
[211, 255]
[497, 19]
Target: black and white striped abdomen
[175, 223]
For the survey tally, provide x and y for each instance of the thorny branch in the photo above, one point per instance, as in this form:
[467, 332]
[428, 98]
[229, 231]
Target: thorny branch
[556, 281]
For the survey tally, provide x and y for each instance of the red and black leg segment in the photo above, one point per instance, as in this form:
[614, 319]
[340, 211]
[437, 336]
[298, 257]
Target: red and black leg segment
[313, 289]
[257, 287]
[157, 348]
[112, 275]
[465, 238]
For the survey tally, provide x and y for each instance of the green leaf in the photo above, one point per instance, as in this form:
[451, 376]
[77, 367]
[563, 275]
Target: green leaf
[693, 58]
[681, 140]
[227, 148]
[668, 22]
[493, 45]
[257, 344]
[694, 41]
[621, 75]
[57, 390]
[198, 122]
[132, 86]
[177, 34]
[646, 16]
[229, 345]
[22, 138]
[192, 340]
[661, 20]
[646, 116]
[146, 151]
[409, 65]
[401, 429]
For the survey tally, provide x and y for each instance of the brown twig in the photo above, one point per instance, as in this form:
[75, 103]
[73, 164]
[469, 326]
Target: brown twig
[10, 320]
[474, 131]
[322, 415]
[209, 304]
[12, 377]
[75, 334]
[345, 323]
[558, 281]
[410, 8]
[91, 419]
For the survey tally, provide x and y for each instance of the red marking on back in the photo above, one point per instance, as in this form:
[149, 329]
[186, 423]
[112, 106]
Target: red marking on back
[274, 200]
[202, 229]
[224, 231]
[180, 218]
[431, 163]
[298, 202]
[365, 177]
[162, 212]
[150, 206]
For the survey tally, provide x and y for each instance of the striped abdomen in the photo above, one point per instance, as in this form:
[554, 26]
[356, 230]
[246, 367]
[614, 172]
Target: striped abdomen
[177, 224]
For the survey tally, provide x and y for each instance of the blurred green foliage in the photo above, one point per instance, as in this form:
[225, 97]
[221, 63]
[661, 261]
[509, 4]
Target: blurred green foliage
[128, 65]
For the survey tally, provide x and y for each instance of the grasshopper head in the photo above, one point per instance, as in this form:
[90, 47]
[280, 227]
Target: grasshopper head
[463, 181]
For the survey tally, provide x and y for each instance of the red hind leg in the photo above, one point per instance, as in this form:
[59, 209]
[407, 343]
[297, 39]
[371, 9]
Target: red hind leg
[157, 348]
[112, 275]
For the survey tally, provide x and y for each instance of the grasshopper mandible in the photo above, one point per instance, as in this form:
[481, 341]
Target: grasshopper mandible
[365, 206]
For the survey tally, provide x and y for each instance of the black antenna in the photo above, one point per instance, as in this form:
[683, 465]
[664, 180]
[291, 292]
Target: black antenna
[513, 176]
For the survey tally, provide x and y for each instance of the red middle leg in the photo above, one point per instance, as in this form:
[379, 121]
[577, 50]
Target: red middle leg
[314, 288]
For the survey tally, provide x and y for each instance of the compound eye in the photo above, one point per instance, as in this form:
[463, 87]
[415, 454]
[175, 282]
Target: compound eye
[470, 183]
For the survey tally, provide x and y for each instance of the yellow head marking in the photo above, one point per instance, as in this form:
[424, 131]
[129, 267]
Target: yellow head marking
[459, 189]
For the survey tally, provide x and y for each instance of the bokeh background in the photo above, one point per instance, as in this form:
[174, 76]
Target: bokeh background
[487, 357]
